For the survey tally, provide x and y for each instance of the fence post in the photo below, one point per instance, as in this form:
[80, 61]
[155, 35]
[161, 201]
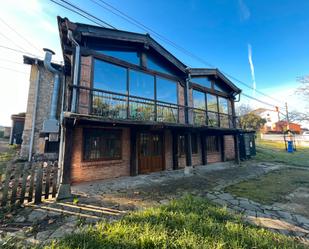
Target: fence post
[47, 180]
[55, 179]
[6, 184]
[24, 183]
[38, 185]
[31, 185]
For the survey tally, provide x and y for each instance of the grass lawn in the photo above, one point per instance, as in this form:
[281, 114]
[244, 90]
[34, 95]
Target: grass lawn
[270, 151]
[272, 187]
[6, 156]
[190, 222]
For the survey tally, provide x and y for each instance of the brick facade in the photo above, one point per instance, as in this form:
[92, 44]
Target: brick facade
[229, 147]
[82, 171]
[85, 80]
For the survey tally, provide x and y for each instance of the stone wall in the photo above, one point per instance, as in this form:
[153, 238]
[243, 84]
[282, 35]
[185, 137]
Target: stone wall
[46, 84]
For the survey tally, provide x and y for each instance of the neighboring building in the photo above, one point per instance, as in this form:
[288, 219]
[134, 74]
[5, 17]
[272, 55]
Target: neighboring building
[6, 132]
[271, 117]
[282, 126]
[126, 106]
[18, 121]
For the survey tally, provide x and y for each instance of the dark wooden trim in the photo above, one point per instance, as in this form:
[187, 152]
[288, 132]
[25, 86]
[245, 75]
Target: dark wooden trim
[175, 150]
[203, 149]
[68, 148]
[118, 62]
[236, 147]
[222, 149]
[188, 149]
[133, 152]
[155, 99]
[208, 90]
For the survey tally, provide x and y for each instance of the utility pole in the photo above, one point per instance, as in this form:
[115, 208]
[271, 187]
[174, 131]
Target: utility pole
[287, 116]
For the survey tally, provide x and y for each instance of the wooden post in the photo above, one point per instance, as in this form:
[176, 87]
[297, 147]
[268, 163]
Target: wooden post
[133, 151]
[223, 159]
[24, 183]
[203, 149]
[15, 183]
[47, 180]
[236, 147]
[188, 149]
[175, 149]
[31, 185]
[55, 178]
[6, 184]
[38, 185]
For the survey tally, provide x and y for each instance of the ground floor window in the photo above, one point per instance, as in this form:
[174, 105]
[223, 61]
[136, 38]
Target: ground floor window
[51, 147]
[212, 143]
[100, 144]
[194, 144]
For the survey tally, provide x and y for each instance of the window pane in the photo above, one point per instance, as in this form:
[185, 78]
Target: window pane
[203, 81]
[198, 99]
[128, 56]
[212, 103]
[141, 84]
[166, 90]
[102, 144]
[109, 77]
[219, 88]
[154, 63]
[223, 105]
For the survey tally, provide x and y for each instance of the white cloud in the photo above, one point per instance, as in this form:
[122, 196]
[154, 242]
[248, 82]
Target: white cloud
[251, 68]
[244, 10]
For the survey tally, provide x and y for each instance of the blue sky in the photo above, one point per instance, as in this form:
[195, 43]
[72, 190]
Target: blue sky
[218, 31]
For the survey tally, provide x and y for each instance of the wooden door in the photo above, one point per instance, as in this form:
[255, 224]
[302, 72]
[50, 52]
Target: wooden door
[150, 152]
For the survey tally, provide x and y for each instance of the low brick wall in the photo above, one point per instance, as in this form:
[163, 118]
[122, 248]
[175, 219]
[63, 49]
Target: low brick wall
[229, 147]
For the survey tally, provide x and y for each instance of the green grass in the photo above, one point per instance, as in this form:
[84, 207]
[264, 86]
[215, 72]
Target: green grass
[6, 156]
[190, 222]
[272, 187]
[269, 151]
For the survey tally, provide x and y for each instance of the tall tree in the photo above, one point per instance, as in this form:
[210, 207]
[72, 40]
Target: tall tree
[251, 121]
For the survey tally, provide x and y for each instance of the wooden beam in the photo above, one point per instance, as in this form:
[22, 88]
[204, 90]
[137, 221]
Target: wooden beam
[223, 159]
[236, 147]
[133, 152]
[188, 149]
[175, 150]
[203, 148]
[68, 145]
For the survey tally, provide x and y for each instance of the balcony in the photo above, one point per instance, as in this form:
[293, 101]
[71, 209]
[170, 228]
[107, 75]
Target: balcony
[117, 106]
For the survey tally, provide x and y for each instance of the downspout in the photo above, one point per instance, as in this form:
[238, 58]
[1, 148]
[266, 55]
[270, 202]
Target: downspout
[76, 70]
[52, 124]
[37, 83]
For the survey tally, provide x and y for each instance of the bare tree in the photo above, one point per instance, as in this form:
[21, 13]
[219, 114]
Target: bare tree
[295, 116]
[243, 109]
[303, 89]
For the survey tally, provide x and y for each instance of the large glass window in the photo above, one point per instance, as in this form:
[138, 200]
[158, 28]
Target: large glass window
[125, 55]
[212, 103]
[102, 144]
[154, 63]
[203, 81]
[223, 105]
[109, 77]
[141, 84]
[198, 99]
[220, 88]
[166, 90]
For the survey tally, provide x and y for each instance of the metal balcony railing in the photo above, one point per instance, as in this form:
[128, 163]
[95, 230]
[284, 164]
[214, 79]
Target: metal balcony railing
[111, 105]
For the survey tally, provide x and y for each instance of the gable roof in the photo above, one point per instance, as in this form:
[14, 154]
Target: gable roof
[214, 72]
[145, 40]
[85, 30]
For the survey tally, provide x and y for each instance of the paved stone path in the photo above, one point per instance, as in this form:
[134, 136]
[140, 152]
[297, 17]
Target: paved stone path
[111, 199]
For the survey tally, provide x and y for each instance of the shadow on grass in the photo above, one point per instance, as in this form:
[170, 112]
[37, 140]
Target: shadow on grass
[190, 222]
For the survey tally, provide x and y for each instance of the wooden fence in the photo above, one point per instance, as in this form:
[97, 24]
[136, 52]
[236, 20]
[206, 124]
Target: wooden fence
[28, 182]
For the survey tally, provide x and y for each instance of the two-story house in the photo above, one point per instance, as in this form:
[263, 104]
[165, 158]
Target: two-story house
[128, 106]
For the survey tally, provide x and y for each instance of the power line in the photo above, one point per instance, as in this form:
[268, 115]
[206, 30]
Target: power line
[31, 44]
[17, 50]
[145, 28]
[86, 13]
[137, 23]
[11, 61]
